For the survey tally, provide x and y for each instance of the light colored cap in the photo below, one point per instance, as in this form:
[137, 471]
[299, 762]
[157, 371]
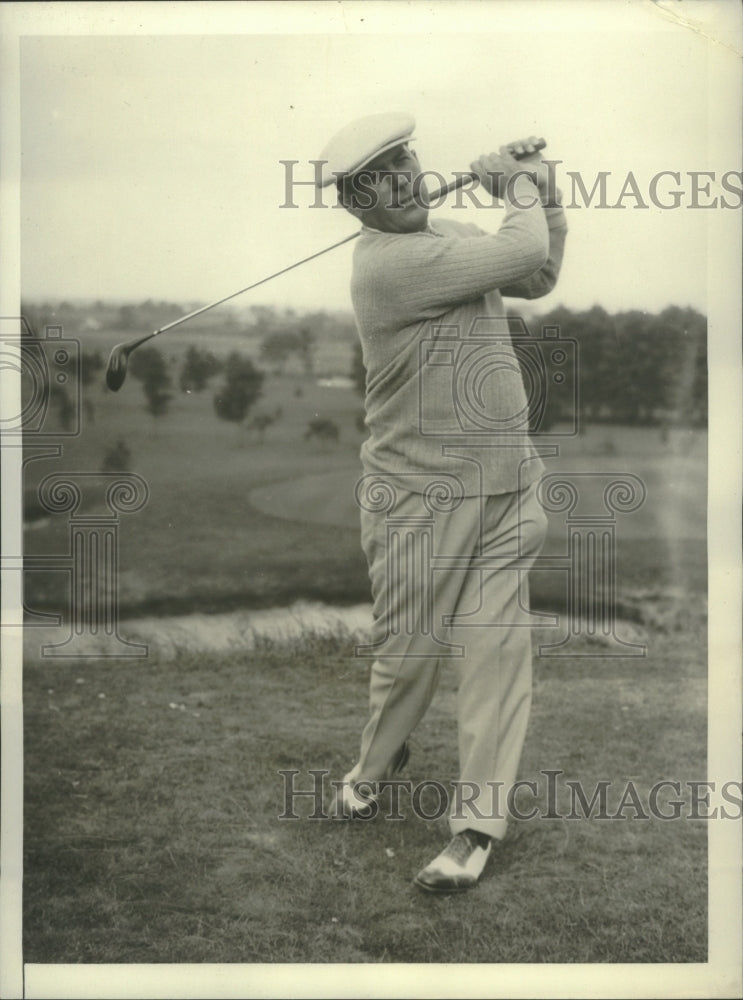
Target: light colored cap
[360, 141]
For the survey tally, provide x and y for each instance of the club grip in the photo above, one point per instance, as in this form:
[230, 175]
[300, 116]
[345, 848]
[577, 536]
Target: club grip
[465, 178]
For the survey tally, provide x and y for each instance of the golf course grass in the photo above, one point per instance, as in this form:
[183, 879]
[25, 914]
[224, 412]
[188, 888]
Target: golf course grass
[154, 787]
[154, 797]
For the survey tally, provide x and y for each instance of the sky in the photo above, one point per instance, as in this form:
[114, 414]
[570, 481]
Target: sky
[151, 161]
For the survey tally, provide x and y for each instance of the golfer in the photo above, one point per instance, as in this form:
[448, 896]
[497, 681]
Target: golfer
[449, 462]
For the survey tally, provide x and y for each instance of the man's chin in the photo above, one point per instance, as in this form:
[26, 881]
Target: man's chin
[415, 219]
[410, 219]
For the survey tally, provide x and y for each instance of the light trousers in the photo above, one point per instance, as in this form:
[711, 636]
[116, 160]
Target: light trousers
[451, 586]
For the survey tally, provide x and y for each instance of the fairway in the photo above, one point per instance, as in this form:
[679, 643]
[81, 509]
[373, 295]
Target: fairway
[154, 788]
[240, 519]
[675, 506]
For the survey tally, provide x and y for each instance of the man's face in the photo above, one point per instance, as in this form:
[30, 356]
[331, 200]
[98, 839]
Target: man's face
[388, 193]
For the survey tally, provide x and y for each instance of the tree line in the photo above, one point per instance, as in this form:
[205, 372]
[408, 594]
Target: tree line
[635, 367]
[631, 367]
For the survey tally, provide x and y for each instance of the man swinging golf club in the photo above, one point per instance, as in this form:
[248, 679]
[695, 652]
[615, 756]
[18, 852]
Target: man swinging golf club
[449, 461]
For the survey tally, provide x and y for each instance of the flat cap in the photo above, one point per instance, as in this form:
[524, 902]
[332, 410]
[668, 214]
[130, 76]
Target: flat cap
[360, 141]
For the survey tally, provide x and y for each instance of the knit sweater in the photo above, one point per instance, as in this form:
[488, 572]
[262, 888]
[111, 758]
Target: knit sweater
[444, 390]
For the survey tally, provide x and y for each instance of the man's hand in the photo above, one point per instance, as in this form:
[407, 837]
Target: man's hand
[531, 158]
[495, 170]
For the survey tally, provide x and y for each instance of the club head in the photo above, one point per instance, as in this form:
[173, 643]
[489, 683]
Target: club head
[118, 363]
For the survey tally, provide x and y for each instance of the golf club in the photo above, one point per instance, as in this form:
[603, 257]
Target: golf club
[118, 361]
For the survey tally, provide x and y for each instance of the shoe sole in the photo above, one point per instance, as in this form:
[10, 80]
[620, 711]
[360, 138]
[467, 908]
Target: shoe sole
[441, 889]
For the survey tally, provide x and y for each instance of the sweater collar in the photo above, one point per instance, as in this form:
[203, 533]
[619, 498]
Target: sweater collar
[428, 231]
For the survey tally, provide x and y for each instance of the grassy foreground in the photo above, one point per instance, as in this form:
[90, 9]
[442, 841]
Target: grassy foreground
[153, 794]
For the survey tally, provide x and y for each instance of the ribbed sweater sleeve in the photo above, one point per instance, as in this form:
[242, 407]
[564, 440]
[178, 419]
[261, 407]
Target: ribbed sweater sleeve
[541, 282]
[422, 275]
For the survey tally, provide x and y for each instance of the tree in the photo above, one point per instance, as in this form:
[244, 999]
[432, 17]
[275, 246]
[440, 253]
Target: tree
[684, 332]
[158, 399]
[198, 368]
[146, 363]
[634, 367]
[150, 367]
[241, 389]
[260, 422]
[306, 342]
[277, 347]
[90, 365]
[323, 429]
[127, 317]
[59, 396]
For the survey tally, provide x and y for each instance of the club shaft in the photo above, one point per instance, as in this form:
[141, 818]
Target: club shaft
[459, 181]
[241, 291]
